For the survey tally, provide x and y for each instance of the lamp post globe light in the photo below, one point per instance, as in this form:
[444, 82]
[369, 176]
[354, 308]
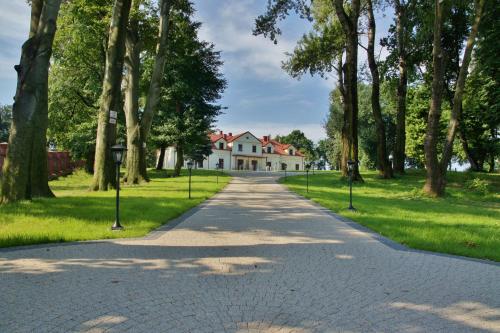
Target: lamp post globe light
[190, 168]
[308, 166]
[118, 151]
[350, 167]
[391, 158]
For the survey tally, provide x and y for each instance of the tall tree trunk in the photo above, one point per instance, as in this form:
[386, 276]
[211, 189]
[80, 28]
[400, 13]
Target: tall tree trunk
[161, 158]
[399, 149]
[153, 96]
[345, 137]
[465, 146]
[433, 181]
[25, 173]
[131, 107]
[104, 169]
[383, 165]
[179, 162]
[349, 25]
[457, 98]
[491, 163]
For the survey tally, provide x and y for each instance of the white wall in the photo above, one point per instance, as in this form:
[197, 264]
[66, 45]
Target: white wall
[247, 141]
[208, 163]
[230, 159]
[291, 161]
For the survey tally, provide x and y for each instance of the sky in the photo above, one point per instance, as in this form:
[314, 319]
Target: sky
[260, 97]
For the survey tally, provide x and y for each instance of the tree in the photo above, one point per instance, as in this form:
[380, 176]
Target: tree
[298, 139]
[436, 170]
[333, 126]
[25, 173]
[480, 116]
[192, 83]
[76, 75]
[348, 73]
[139, 123]
[383, 165]
[5, 120]
[480, 120]
[433, 181]
[110, 100]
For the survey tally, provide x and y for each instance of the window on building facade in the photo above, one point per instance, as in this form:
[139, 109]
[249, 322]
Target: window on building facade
[254, 149]
[290, 152]
[240, 147]
[221, 145]
[297, 167]
[269, 150]
[221, 163]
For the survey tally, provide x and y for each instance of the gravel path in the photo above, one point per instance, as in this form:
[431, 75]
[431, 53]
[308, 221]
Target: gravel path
[255, 258]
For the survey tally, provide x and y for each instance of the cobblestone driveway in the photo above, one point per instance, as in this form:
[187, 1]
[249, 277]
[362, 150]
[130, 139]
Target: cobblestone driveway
[256, 258]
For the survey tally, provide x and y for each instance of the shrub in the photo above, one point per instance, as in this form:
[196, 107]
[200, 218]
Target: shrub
[478, 185]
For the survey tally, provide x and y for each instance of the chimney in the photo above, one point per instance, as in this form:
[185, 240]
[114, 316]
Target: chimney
[265, 137]
[225, 136]
[220, 132]
[230, 134]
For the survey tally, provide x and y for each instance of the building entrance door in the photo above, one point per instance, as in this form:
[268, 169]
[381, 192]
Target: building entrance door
[254, 165]
[240, 164]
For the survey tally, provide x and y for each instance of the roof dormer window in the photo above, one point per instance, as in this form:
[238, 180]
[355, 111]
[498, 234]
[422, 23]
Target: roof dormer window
[269, 150]
[290, 151]
[221, 145]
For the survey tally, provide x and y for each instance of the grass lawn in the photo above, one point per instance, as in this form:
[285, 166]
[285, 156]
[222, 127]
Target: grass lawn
[77, 214]
[465, 222]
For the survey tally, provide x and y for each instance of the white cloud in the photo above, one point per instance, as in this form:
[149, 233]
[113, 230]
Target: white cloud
[14, 27]
[14, 20]
[243, 52]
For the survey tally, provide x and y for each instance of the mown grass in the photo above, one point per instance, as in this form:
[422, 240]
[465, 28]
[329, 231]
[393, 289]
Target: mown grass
[465, 222]
[77, 214]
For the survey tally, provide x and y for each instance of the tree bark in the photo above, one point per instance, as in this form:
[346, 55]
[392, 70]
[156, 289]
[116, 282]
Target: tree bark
[133, 48]
[465, 146]
[345, 137]
[433, 186]
[153, 96]
[104, 168]
[179, 161]
[492, 164]
[161, 159]
[25, 173]
[400, 145]
[383, 165]
[349, 25]
[459, 90]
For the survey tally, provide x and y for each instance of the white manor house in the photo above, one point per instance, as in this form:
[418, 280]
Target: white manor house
[245, 152]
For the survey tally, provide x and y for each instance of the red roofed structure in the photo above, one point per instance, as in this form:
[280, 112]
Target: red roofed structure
[244, 151]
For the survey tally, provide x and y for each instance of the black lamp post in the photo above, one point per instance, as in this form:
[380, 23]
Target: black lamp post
[350, 167]
[284, 167]
[308, 166]
[217, 166]
[190, 168]
[118, 151]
